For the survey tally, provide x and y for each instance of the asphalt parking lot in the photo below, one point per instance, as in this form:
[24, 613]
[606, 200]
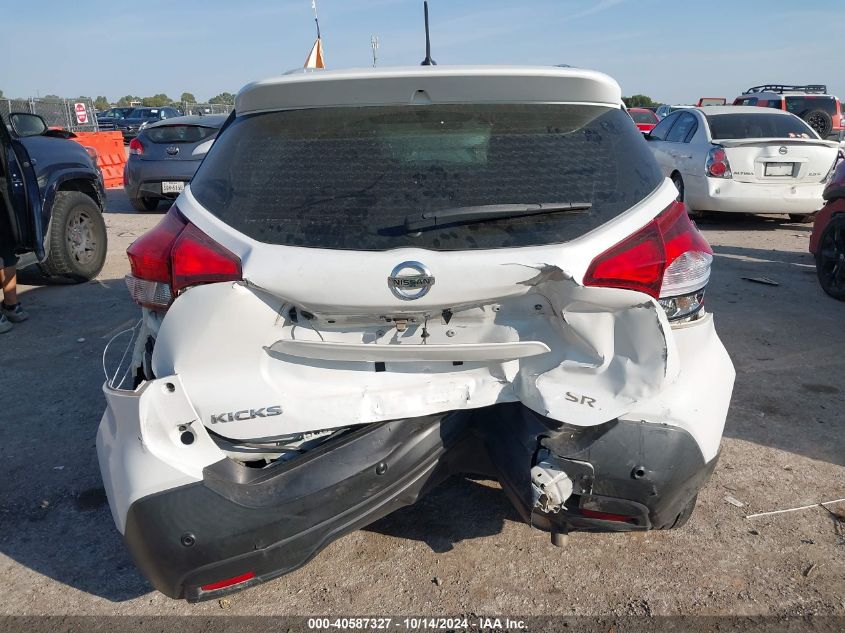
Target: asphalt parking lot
[463, 549]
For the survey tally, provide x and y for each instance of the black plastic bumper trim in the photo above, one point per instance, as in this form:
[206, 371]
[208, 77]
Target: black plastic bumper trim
[271, 521]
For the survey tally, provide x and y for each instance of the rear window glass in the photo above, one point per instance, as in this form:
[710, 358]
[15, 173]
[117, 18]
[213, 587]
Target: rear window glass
[802, 105]
[179, 133]
[757, 125]
[346, 178]
[643, 117]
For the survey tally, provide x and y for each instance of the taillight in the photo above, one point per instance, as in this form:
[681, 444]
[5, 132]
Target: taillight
[229, 582]
[172, 256]
[717, 165]
[198, 259]
[668, 259]
[136, 147]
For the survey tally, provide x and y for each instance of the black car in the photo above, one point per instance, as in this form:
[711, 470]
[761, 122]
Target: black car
[106, 120]
[54, 197]
[164, 157]
[139, 117]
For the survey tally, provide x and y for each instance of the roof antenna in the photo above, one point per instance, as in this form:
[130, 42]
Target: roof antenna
[427, 61]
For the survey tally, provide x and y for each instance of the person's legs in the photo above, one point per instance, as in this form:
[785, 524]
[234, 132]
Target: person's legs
[10, 308]
[9, 279]
[5, 325]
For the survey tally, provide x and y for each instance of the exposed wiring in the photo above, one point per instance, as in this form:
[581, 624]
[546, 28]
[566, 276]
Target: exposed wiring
[111, 381]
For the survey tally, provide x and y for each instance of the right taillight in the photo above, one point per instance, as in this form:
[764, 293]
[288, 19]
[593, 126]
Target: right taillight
[136, 147]
[717, 165]
[668, 259]
[172, 256]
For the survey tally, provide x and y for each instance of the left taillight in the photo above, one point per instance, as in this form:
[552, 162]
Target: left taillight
[172, 256]
[136, 148]
[668, 259]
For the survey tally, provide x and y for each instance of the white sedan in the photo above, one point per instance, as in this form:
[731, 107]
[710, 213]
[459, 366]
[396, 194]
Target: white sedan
[744, 159]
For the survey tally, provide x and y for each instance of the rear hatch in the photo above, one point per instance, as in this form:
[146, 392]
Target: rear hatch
[361, 301]
[176, 141]
[770, 147]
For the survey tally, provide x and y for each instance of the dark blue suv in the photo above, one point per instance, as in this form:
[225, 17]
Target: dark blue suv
[53, 193]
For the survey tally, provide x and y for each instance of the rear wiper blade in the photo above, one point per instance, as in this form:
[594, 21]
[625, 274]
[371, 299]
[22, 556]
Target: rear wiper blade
[455, 215]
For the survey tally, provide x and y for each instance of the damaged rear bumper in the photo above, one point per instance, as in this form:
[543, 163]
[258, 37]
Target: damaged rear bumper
[255, 524]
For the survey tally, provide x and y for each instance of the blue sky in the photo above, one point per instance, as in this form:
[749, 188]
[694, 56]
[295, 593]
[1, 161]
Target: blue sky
[672, 51]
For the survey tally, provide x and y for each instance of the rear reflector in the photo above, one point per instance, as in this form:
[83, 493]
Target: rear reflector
[222, 584]
[668, 257]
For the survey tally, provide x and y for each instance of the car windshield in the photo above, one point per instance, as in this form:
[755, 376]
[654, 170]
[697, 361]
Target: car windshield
[346, 178]
[757, 125]
[804, 104]
[139, 113]
[180, 133]
[643, 116]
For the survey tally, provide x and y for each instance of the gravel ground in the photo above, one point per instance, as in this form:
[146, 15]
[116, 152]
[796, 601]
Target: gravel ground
[784, 446]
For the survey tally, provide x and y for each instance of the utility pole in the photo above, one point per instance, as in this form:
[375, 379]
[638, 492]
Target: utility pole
[374, 46]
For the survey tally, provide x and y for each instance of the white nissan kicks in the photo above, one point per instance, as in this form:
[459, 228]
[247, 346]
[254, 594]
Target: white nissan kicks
[381, 277]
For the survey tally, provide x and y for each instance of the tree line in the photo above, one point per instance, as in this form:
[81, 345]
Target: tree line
[101, 102]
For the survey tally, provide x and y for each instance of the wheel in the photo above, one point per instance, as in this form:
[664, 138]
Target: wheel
[679, 185]
[819, 120]
[77, 238]
[830, 258]
[683, 517]
[144, 204]
[798, 218]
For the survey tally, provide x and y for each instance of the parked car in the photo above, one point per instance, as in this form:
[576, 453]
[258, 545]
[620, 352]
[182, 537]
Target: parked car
[665, 110]
[361, 293]
[54, 197]
[106, 120]
[140, 117]
[164, 156]
[827, 241]
[644, 119]
[822, 111]
[744, 159]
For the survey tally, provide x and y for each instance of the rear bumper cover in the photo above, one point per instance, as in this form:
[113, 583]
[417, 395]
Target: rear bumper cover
[727, 195]
[267, 522]
[143, 178]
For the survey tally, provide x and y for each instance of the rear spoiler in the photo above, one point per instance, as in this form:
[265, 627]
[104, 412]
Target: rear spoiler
[739, 142]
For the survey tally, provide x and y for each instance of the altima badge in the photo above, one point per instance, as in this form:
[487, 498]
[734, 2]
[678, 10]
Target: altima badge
[410, 280]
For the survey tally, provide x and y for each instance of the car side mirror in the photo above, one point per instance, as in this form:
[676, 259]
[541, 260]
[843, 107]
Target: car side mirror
[647, 136]
[26, 124]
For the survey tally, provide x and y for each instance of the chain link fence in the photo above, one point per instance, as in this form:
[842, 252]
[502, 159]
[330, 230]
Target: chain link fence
[79, 115]
[206, 108]
[75, 115]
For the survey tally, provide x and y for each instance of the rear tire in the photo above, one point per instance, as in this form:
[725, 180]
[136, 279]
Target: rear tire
[830, 258]
[819, 120]
[77, 238]
[799, 218]
[144, 204]
[683, 517]
[679, 185]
